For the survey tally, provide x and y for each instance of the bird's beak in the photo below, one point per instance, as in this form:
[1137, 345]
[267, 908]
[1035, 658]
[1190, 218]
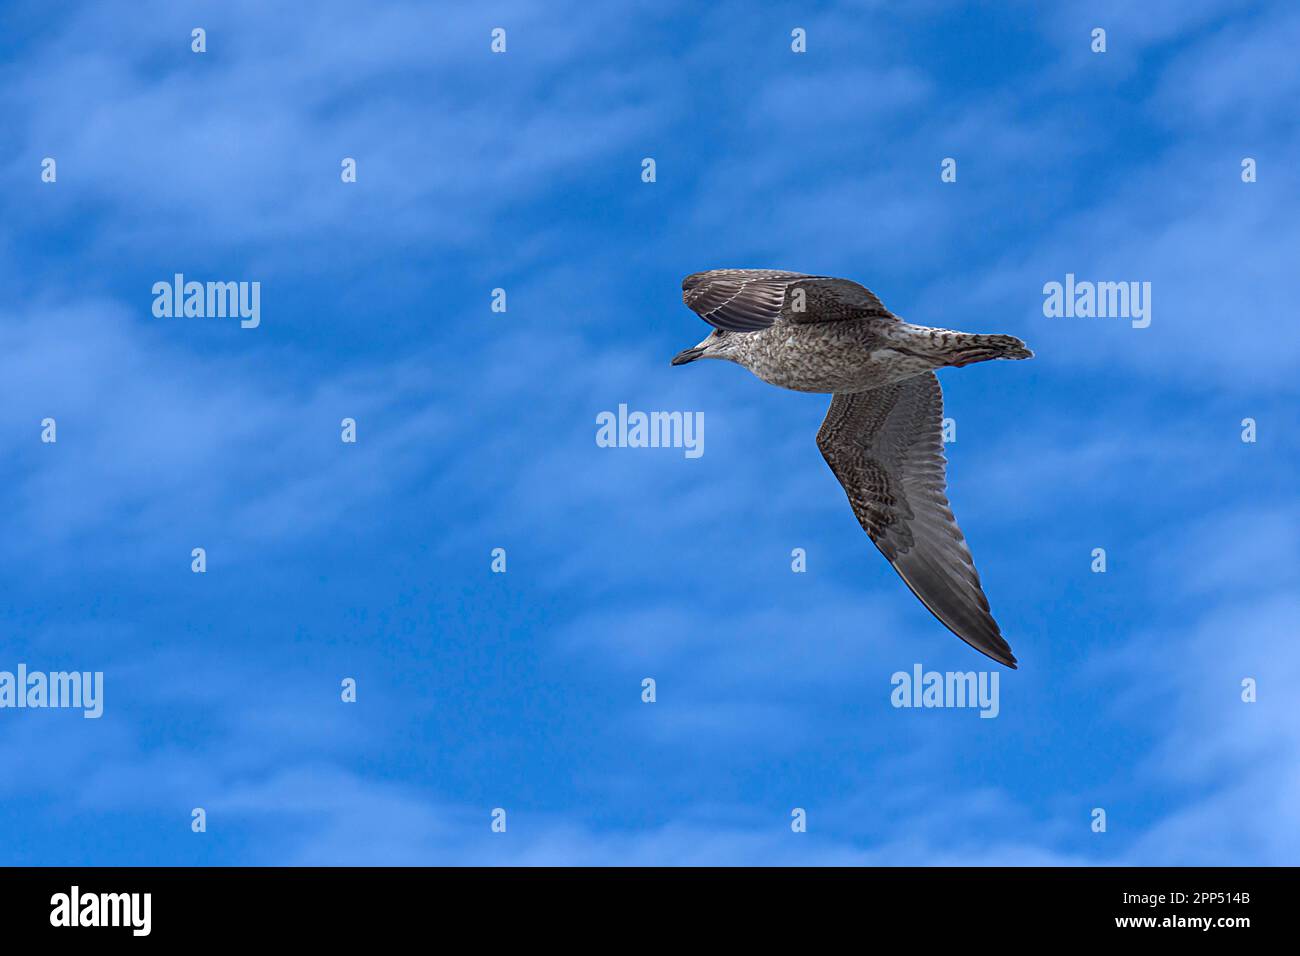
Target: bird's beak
[688, 355]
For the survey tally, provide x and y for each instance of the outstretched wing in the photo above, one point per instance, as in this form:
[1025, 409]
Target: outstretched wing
[746, 300]
[886, 448]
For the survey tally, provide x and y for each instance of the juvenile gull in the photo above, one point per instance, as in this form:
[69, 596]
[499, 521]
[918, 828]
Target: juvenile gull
[882, 434]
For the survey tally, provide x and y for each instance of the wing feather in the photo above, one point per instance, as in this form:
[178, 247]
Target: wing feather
[886, 448]
[746, 300]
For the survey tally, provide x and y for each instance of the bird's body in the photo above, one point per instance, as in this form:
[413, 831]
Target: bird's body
[882, 433]
[846, 356]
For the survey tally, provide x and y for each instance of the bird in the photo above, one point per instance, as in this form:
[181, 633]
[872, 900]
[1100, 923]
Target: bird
[882, 435]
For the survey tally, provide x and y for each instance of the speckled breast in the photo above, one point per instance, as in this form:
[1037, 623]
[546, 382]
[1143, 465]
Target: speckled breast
[825, 357]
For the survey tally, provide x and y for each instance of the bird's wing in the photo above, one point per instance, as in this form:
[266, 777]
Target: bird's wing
[886, 448]
[746, 300]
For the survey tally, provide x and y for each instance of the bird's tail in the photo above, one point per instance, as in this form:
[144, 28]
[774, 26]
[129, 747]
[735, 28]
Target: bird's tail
[982, 348]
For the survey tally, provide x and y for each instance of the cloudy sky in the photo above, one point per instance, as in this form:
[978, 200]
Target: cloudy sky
[476, 430]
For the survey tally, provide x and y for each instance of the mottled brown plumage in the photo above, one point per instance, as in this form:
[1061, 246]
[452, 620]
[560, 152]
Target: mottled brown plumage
[882, 434]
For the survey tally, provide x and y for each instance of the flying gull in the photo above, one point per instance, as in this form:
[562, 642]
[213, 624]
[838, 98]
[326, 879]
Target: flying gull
[882, 433]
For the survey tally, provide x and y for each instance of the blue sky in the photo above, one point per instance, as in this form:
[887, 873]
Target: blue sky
[476, 431]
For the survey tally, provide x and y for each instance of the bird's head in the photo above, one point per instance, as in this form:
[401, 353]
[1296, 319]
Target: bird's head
[719, 345]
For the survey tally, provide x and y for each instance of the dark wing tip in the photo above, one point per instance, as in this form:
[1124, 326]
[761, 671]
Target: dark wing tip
[1002, 657]
[978, 630]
